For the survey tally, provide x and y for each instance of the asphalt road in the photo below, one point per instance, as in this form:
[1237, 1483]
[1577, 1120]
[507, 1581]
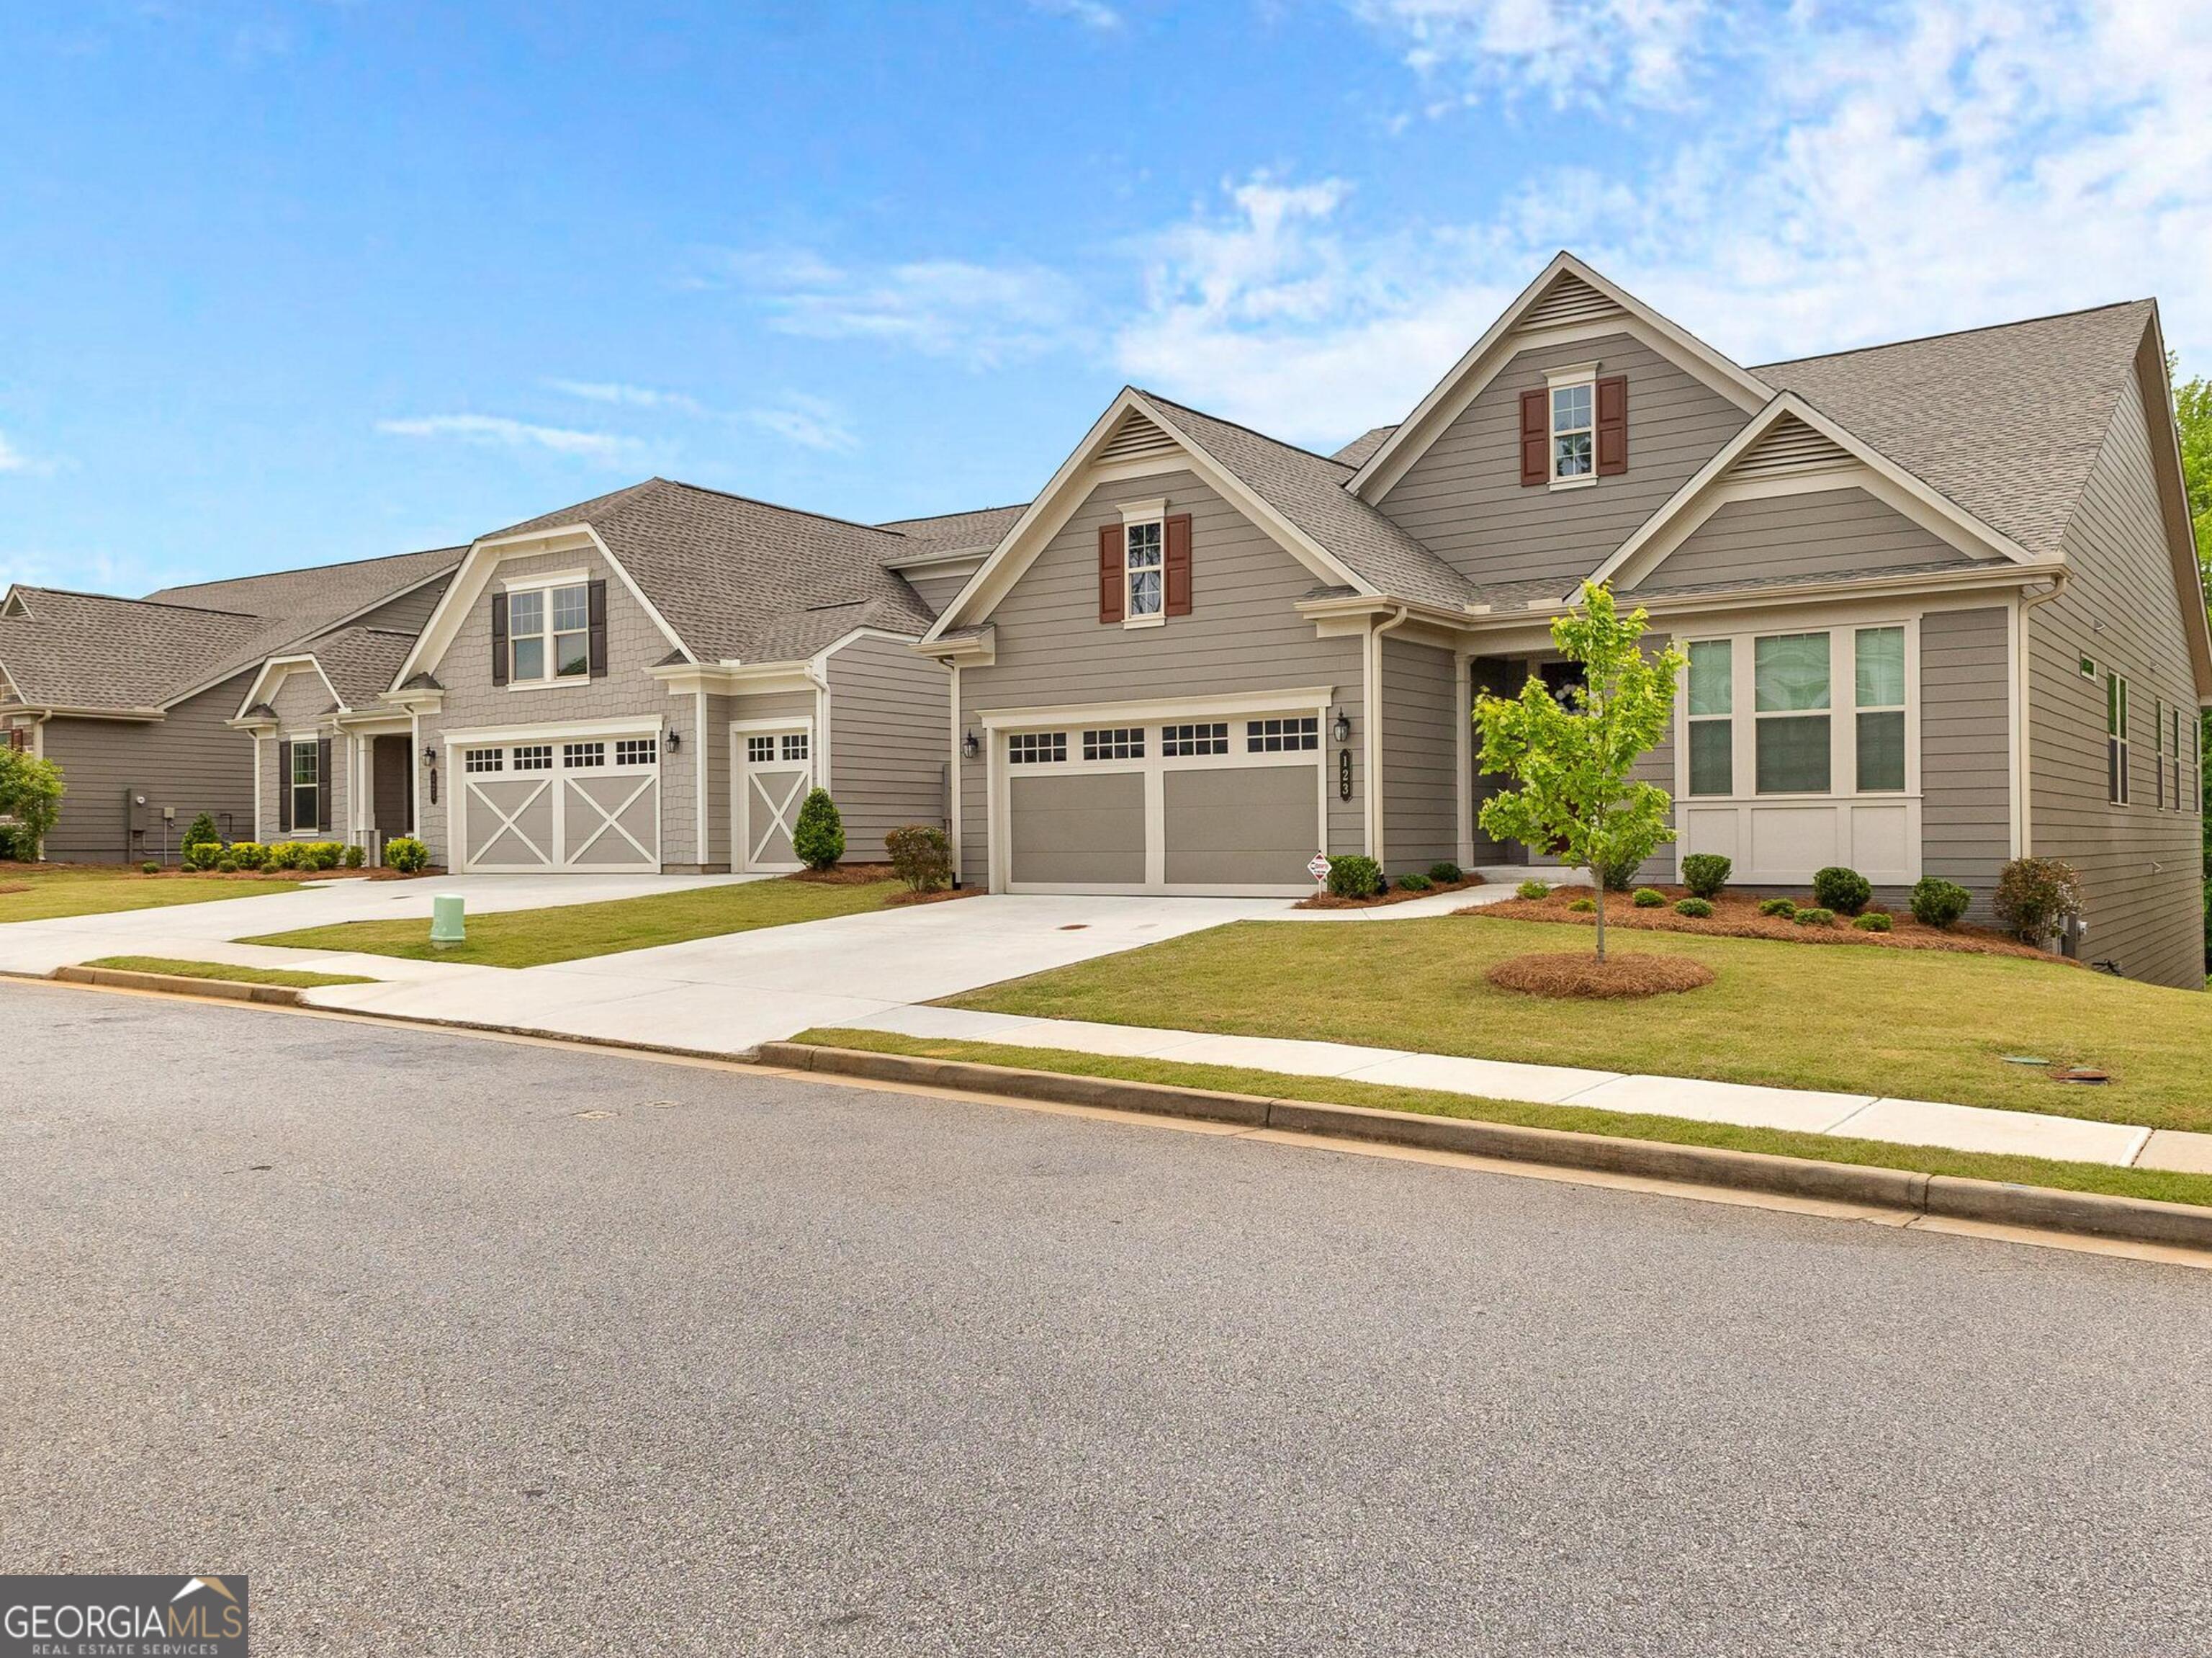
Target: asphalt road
[382, 1319]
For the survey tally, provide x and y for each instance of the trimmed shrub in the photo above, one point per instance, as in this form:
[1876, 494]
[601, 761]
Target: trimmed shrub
[2036, 896]
[324, 855]
[1649, 897]
[202, 855]
[921, 856]
[1874, 921]
[407, 855]
[1621, 875]
[1785, 908]
[1414, 881]
[355, 856]
[1844, 891]
[1582, 906]
[1355, 876]
[819, 840]
[226, 865]
[202, 832]
[290, 855]
[149, 867]
[1533, 889]
[1937, 902]
[1446, 873]
[249, 854]
[1697, 909]
[1706, 873]
[1818, 916]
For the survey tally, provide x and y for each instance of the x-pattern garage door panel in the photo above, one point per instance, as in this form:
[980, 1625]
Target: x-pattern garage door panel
[510, 822]
[556, 804]
[773, 797]
[612, 821]
[1238, 825]
[1087, 828]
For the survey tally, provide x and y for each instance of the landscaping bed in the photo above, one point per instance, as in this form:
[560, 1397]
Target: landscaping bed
[1735, 915]
[1394, 895]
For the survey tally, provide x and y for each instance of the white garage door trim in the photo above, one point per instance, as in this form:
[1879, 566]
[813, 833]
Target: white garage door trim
[765, 795]
[1003, 725]
[579, 822]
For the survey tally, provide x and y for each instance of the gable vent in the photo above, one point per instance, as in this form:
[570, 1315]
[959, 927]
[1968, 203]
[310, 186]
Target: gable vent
[1791, 447]
[1569, 300]
[1135, 437]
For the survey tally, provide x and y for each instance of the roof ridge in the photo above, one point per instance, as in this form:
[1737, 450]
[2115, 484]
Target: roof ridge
[303, 570]
[1953, 333]
[933, 517]
[773, 506]
[124, 599]
[1250, 432]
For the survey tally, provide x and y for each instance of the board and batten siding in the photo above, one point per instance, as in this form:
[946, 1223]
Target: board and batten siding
[2140, 865]
[1244, 634]
[1791, 536]
[1966, 749]
[192, 761]
[1464, 500]
[888, 713]
[1420, 757]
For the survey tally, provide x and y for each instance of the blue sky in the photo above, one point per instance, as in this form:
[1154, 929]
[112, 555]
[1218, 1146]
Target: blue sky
[294, 282]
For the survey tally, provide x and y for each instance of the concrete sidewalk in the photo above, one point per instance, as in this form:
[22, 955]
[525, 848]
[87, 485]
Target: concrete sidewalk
[1853, 1116]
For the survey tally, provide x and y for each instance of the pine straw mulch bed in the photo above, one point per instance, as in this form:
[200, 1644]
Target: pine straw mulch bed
[1582, 975]
[1735, 915]
[869, 875]
[1396, 895]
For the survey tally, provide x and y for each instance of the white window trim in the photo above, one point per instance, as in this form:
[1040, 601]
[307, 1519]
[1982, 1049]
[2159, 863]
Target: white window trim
[548, 585]
[312, 742]
[1136, 515]
[1578, 374]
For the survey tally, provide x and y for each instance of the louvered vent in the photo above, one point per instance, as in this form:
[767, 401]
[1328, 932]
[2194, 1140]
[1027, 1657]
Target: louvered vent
[1569, 300]
[1791, 447]
[1137, 436]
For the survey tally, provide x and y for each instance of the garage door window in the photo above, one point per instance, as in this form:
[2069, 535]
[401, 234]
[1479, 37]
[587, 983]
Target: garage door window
[637, 751]
[534, 757]
[479, 760]
[1037, 748]
[578, 756]
[1120, 743]
[1282, 736]
[1177, 741]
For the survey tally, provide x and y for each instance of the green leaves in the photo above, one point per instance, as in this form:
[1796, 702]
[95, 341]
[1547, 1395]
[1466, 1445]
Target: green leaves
[31, 795]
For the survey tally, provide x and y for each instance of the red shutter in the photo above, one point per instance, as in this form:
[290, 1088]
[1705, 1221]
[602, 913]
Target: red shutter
[499, 661]
[1110, 592]
[1535, 437]
[1612, 426]
[1177, 561]
[595, 611]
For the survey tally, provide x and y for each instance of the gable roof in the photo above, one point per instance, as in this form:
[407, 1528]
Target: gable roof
[360, 661]
[1355, 452]
[955, 532]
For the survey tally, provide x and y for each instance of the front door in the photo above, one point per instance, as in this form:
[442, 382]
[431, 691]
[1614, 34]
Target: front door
[392, 769]
[775, 768]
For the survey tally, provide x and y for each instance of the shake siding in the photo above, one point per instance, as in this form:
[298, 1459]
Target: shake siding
[1965, 763]
[409, 613]
[889, 714]
[302, 702]
[1464, 497]
[720, 711]
[1825, 533]
[1243, 635]
[1420, 757]
[191, 760]
[2140, 865]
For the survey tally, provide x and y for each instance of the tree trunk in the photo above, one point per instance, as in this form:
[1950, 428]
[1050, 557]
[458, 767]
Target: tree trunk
[1601, 918]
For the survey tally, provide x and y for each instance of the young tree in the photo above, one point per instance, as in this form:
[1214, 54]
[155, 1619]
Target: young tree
[31, 795]
[1572, 764]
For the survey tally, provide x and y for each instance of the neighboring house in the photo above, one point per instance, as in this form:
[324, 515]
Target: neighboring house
[653, 680]
[1939, 600]
[132, 696]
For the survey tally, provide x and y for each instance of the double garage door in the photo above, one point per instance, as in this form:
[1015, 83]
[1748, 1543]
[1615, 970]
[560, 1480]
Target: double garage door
[583, 803]
[1206, 807]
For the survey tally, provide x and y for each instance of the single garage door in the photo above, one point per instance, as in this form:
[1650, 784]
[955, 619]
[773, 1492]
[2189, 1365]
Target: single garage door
[560, 804]
[1203, 806]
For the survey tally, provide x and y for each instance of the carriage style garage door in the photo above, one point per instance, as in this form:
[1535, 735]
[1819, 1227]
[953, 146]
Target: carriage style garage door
[589, 803]
[1204, 806]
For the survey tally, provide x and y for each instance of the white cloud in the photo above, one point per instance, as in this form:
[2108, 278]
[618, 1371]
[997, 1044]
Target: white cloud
[809, 421]
[13, 460]
[981, 315]
[602, 448]
[1570, 51]
[633, 397]
[1092, 14]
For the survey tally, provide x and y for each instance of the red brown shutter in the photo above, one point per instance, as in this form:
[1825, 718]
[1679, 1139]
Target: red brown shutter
[283, 789]
[1535, 436]
[1110, 596]
[323, 785]
[499, 662]
[1177, 561]
[595, 601]
[1613, 425]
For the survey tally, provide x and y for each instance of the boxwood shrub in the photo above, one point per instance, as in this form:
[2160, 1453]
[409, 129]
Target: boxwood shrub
[1782, 907]
[1649, 897]
[406, 854]
[1706, 873]
[1533, 889]
[1446, 873]
[1874, 921]
[1844, 891]
[1414, 881]
[1937, 902]
[1697, 909]
[1818, 916]
[1355, 876]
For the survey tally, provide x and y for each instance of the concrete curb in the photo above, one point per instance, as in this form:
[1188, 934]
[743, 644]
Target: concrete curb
[218, 990]
[2042, 1208]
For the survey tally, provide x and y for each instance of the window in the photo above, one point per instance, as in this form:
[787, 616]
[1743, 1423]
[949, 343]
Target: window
[1122, 743]
[2174, 714]
[1574, 430]
[580, 756]
[1282, 736]
[1879, 697]
[1144, 565]
[307, 784]
[2158, 748]
[534, 757]
[485, 759]
[1181, 740]
[1036, 749]
[637, 751]
[1712, 731]
[794, 745]
[2116, 740]
[566, 644]
[759, 751]
[19, 738]
[1791, 679]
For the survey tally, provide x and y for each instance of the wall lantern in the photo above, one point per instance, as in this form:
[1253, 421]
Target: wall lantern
[675, 742]
[969, 748]
[429, 754]
[1341, 731]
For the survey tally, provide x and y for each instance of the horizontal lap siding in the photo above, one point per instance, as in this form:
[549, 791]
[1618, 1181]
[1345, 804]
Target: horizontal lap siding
[2140, 867]
[890, 711]
[409, 613]
[191, 760]
[1966, 759]
[1421, 756]
[1825, 533]
[1464, 497]
[937, 591]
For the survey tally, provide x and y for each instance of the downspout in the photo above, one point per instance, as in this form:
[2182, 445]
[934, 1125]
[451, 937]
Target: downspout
[705, 830]
[2023, 792]
[955, 784]
[1373, 692]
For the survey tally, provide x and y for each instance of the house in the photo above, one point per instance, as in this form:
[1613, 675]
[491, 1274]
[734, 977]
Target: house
[650, 680]
[133, 697]
[1939, 600]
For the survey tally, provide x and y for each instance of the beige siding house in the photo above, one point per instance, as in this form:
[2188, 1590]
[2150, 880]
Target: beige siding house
[1200, 656]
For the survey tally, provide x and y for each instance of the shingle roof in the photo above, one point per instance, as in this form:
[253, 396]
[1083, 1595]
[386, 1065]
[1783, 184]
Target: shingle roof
[2008, 421]
[1355, 452]
[733, 576]
[360, 661]
[327, 590]
[1307, 489]
[954, 532]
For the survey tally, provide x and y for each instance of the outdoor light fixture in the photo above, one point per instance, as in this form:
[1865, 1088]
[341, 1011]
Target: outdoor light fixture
[675, 742]
[1341, 731]
[969, 747]
[429, 754]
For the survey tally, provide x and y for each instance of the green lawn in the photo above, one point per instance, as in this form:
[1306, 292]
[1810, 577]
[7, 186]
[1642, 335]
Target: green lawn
[2160, 1184]
[163, 964]
[1923, 1025]
[51, 894]
[532, 938]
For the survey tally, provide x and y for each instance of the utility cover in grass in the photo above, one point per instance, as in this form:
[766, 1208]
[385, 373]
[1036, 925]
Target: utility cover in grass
[1584, 976]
